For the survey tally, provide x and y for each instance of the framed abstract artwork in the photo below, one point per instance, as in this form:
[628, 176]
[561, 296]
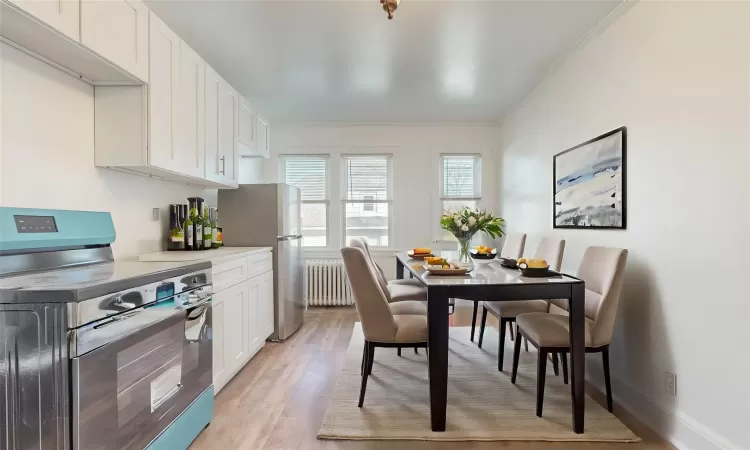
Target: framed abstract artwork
[590, 183]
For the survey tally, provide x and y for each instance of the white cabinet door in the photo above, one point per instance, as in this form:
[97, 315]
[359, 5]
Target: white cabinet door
[119, 31]
[253, 331]
[229, 106]
[265, 305]
[220, 373]
[62, 15]
[164, 76]
[263, 148]
[191, 110]
[235, 325]
[247, 135]
[213, 130]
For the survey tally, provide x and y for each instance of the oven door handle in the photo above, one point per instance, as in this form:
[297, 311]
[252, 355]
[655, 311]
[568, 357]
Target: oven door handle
[195, 319]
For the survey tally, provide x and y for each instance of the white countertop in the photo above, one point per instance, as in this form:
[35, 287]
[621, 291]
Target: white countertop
[213, 254]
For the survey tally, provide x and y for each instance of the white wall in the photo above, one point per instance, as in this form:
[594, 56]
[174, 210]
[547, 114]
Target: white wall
[415, 149]
[48, 157]
[677, 75]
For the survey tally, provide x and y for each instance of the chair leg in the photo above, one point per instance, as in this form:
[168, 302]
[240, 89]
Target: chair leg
[370, 357]
[364, 359]
[516, 354]
[607, 385]
[555, 364]
[540, 375]
[564, 357]
[526, 344]
[474, 320]
[363, 387]
[512, 333]
[398, 351]
[481, 326]
[416, 351]
[501, 345]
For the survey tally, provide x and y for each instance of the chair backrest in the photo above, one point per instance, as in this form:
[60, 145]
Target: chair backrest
[514, 245]
[362, 245]
[603, 270]
[551, 250]
[369, 298]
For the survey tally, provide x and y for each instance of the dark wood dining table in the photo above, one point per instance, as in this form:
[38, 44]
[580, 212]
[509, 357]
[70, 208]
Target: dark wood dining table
[493, 282]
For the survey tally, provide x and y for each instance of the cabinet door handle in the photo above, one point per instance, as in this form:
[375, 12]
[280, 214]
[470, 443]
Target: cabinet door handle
[222, 165]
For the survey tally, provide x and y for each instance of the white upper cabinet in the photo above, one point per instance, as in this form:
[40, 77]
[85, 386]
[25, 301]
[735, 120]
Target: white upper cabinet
[62, 15]
[118, 30]
[247, 137]
[191, 138]
[228, 121]
[264, 144]
[164, 90]
[213, 129]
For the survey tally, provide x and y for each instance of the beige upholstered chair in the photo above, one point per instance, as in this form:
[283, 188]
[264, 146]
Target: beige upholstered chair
[399, 290]
[603, 270]
[512, 248]
[506, 312]
[380, 326]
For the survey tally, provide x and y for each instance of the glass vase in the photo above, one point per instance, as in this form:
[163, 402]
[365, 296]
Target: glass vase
[464, 247]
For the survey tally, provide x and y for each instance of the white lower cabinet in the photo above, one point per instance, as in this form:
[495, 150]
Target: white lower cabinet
[242, 319]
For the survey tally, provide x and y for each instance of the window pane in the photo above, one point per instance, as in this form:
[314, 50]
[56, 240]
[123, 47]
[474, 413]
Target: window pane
[314, 224]
[308, 173]
[366, 177]
[369, 221]
[460, 176]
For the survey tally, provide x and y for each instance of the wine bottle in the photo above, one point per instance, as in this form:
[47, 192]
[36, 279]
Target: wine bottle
[197, 229]
[214, 229]
[189, 231]
[207, 230]
[176, 239]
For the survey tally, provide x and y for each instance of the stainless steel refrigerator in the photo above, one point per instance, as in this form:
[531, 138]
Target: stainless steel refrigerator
[269, 215]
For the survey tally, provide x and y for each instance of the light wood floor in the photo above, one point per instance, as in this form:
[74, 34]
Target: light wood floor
[279, 399]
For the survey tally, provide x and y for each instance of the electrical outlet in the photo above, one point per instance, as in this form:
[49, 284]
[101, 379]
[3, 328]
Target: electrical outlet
[155, 214]
[670, 383]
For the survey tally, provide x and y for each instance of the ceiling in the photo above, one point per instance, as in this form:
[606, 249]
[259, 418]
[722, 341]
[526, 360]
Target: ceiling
[344, 61]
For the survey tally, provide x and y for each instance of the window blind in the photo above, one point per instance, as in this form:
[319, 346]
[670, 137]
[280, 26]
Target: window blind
[460, 176]
[308, 173]
[367, 177]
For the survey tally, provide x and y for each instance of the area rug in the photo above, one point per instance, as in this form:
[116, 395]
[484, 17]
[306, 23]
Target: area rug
[483, 405]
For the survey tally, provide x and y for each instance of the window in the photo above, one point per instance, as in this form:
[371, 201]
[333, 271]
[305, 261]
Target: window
[460, 183]
[310, 174]
[366, 198]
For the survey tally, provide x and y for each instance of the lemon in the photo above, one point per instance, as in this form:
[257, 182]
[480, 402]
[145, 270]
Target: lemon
[521, 260]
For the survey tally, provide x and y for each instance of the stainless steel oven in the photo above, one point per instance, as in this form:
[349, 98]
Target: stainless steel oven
[133, 373]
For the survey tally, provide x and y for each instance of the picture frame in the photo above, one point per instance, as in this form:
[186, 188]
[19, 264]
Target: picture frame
[589, 183]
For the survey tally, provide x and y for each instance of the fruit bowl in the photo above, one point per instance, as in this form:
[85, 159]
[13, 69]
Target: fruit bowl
[539, 268]
[482, 256]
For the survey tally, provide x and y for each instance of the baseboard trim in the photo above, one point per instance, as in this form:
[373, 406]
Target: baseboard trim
[679, 429]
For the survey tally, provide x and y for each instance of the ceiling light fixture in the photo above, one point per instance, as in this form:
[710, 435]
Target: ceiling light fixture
[390, 6]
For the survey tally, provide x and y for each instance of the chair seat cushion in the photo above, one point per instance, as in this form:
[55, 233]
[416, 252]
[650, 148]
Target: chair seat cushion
[410, 328]
[549, 330]
[401, 292]
[406, 282]
[408, 307]
[513, 309]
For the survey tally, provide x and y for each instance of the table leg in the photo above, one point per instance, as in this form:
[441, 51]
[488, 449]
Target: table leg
[577, 353]
[399, 269]
[437, 318]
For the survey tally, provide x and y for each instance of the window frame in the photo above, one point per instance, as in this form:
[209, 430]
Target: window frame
[345, 200]
[327, 190]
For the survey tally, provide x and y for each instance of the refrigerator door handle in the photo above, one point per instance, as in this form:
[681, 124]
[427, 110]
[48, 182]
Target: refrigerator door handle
[289, 237]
